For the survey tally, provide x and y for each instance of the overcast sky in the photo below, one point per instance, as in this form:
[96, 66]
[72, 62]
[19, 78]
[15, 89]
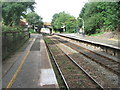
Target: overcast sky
[47, 8]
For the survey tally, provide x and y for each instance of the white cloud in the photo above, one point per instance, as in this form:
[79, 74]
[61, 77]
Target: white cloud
[47, 8]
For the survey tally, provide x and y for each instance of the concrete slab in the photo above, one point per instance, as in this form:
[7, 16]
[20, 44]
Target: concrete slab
[36, 71]
[47, 77]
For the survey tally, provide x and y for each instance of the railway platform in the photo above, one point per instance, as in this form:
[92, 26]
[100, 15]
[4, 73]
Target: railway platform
[110, 47]
[30, 67]
[111, 42]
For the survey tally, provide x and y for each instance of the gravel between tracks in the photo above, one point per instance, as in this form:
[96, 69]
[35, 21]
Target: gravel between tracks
[74, 76]
[103, 76]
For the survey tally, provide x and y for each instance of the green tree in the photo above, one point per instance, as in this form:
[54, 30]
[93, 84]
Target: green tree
[71, 24]
[34, 19]
[12, 12]
[100, 16]
[61, 19]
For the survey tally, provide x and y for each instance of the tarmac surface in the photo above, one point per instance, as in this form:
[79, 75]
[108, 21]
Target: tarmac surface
[30, 67]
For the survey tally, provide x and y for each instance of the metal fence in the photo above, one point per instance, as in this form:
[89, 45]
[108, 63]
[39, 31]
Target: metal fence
[11, 41]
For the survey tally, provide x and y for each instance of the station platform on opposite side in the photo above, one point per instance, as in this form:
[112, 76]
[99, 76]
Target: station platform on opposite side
[113, 43]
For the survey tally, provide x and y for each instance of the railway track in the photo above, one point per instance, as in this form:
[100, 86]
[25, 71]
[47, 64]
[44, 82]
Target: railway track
[106, 62]
[73, 74]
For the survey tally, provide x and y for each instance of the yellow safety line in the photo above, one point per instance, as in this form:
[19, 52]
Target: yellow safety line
[18, 70]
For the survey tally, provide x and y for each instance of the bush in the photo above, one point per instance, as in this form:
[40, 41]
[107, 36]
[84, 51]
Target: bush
[10, 29]
[12, 41]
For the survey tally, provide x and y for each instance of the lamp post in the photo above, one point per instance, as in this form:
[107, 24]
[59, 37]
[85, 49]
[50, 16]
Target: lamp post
[83, 32]
[76, 30]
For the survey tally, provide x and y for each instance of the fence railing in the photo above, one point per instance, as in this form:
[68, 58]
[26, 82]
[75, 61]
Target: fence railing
[11, 41]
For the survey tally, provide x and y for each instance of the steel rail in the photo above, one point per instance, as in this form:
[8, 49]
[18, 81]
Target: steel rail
[58, 67]
[102, 64]
[95, 52]
[81, 68]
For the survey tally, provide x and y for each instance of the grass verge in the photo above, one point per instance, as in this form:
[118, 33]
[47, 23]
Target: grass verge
[97, 34]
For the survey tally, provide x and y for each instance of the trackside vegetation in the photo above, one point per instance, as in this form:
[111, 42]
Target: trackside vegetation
[98, 17]
[14, 30]
[64, 19]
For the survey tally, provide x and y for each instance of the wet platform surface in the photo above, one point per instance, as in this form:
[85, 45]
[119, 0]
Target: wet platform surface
[31, 67]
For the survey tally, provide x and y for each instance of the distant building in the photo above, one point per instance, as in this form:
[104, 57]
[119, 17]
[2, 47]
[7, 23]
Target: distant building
[23, 22]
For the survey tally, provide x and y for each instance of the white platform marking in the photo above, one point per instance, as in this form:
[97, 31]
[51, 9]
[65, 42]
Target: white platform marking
[47, 77]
